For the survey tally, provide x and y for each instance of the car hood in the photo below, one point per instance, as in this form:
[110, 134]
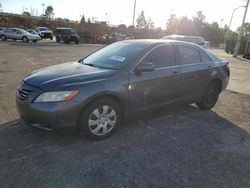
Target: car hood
[66, 75]
[46, 31]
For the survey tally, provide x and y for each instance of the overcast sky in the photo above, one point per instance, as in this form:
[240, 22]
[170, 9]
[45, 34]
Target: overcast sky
[121, 11]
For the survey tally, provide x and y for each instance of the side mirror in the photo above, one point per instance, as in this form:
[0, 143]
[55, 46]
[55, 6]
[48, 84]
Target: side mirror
[145, 67]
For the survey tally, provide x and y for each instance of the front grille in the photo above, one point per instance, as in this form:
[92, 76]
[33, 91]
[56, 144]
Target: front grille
[23, 94]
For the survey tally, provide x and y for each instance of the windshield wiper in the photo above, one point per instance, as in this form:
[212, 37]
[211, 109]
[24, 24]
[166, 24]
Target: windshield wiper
[90, 64]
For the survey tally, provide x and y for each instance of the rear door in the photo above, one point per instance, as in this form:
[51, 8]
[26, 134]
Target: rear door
[159, 87]
[196, 68]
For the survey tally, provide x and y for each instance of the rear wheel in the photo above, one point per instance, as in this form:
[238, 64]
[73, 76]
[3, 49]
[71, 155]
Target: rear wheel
[210, 96]
[51, 38]
[25, 39]
[100, 119]
[76, 41]
[3, 38]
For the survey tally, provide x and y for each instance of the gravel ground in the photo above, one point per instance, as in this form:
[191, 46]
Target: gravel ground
[177, 147]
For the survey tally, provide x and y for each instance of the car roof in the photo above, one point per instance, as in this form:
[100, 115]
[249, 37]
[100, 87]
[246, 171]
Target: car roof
[156, 42]
[183, 36]
[63, 28]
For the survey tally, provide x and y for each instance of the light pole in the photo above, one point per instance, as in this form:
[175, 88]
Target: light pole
[231, 19]
[133, 22]
[43, 7]
[237, 44]
[233, 15]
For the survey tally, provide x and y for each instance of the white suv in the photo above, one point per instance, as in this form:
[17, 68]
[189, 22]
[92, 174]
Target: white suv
[44, 32]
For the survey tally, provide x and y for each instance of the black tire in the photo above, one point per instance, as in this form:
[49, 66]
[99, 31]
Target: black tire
[34, 40]
[25, 39]
[77, 42]
[51, 38]
[3, 38]
[210, 96]
[88, 114]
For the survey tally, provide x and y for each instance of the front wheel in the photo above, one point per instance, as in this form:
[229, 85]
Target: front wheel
[3, 38]
[34, 41]
[100, 119]
[210, 96]
[25, 39]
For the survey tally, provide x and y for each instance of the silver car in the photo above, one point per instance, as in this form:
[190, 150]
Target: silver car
[18, 34]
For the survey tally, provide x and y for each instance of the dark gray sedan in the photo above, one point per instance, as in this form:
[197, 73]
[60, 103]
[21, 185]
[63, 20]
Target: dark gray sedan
[122, 79]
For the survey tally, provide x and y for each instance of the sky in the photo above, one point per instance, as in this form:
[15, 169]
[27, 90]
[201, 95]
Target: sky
[121, 11]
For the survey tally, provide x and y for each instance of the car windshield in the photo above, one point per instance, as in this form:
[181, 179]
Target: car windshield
[22, 31]
[43, 29]
[115, 56]
[66, 31]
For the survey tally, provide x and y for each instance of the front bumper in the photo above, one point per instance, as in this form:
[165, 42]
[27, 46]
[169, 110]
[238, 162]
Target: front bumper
[50, 114]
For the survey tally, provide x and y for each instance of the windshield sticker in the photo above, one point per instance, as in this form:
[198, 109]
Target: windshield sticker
[117, 58]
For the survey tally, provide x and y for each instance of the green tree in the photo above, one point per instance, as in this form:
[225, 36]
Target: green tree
[49, 11]
[141, 21]
[246, 29]
[150, 24]
[82, 19]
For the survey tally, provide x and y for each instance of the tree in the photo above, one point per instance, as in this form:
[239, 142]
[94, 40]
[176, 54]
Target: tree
[49, 11]
[141, 21]
[1, 8]
[172, 23]
[150, 24]
[246, 29]
[82, 19]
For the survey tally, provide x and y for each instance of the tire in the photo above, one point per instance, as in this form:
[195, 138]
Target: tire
[77, 42]
[209, 97]
[3, 38]
[34, 41]
[100, 119]
[25, 39]
[51, 38]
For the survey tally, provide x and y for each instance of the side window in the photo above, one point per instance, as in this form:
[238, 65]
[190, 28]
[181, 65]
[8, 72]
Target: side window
[188, 55]
[204, 57]
[162, 56]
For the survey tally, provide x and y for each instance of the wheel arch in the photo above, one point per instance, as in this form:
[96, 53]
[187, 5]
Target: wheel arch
[219, 82]
[111, 96]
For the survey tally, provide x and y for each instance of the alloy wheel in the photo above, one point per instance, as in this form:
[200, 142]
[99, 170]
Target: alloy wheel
[102, 120]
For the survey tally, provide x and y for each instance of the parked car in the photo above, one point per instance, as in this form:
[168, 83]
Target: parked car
[44, 33]
[124, 78]
[194, 39]
[18, 34]
[2, 28]
[32, 31]
[66, 35]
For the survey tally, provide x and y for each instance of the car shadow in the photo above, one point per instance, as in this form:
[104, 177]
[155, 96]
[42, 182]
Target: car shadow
[177, 147]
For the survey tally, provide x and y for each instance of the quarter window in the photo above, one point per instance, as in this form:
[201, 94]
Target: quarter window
[188, 55]
[162, 56]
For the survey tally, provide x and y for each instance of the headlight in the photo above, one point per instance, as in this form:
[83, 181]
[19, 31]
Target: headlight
[53, 96]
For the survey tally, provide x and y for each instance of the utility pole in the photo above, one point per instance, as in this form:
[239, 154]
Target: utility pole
[237, 45]
[133, 22]
[43, 7]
